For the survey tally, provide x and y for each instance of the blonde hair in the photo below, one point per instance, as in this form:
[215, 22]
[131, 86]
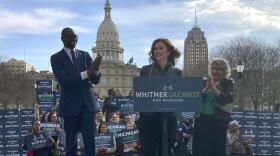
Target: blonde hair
[223, 64]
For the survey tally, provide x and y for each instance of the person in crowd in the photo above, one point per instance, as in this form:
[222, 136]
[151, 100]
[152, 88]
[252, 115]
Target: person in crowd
[108, 108]
[45, 117]
[45, 151]
[76, 72]
[98, 118]
[131, 93]
[163, 56]
[96, 95]
[36, 111]
[53, 119]
[114, 118]
[118, 92]
[235, 147]
[104, 151]
[188, 132]
[233, 143]
[211, 126]
[127, 119]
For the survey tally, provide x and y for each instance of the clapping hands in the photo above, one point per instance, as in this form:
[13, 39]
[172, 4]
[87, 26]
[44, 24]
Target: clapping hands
[94, 66]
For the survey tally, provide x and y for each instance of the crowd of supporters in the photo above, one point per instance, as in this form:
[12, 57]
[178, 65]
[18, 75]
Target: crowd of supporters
[110, 114]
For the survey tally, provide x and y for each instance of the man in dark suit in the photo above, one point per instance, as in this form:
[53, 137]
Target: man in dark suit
[76, 72]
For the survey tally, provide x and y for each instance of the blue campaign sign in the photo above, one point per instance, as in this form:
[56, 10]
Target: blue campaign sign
[12, 146]
[186, 115]
[275, 147]
[115, 127]
[1, 146]
[11, 132]
[57, 97]
[11, 114]
[1, 116]
[26, 123]
[1, 132]
[128, 136]
[264, 147]
[37, 141]
[45, 97]
[26, 113]
[124, 104]
[44, 85]
[99, 104]
[167, 94]
[104, 140]
[50, 128]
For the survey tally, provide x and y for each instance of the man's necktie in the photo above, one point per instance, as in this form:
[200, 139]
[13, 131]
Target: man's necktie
[74, 59]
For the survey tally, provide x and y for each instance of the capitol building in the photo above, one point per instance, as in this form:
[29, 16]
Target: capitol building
[115, 73]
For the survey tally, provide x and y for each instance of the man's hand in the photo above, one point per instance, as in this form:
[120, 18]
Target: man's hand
[94, 66]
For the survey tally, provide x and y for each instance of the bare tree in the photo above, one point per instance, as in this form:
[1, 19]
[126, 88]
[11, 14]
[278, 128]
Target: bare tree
[16, 89]
[260, 61]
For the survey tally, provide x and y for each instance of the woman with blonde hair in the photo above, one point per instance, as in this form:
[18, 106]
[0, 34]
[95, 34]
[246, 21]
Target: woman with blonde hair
[210, 128]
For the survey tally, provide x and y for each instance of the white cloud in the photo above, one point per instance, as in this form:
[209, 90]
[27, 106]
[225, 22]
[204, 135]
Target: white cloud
[37, 21]
[162, 12]
[238, 11]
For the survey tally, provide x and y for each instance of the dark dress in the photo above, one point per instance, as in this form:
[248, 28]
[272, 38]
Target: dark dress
[150, 124]
[210, 129]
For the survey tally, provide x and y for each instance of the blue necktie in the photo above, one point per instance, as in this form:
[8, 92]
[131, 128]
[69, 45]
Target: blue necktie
[74, 59]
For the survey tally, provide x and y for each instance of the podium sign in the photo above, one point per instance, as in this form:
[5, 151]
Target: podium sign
[167, 94]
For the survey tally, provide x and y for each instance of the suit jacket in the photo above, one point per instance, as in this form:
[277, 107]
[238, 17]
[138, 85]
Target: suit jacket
[75, 92]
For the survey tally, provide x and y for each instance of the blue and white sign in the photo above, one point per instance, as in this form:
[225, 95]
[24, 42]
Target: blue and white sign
[124, 104]
[37, 141]
[104, 140]
[128, 136]
[44, 85]
[115, 127]
[167, 94]
[51, 128]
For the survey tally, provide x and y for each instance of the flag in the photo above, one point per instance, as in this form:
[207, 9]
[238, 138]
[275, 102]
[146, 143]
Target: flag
[130, 61]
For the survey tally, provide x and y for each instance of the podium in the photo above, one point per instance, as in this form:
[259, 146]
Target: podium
[167, 94]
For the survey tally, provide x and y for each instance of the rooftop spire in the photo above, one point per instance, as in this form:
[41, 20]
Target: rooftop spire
[107, 9]
[195, 18]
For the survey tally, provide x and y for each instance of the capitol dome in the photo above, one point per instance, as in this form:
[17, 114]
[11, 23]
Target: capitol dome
[107, 31]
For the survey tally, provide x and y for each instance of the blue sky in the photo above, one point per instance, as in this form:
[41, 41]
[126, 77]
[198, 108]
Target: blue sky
[32, 27]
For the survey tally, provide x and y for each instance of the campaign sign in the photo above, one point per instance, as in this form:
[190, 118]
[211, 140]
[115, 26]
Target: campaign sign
[124, 104]
[1, 147]
[45, 97]
[275, 133]
[104, 140]
[238, 116]
[12, 147]
[57, 97]
[26, 113]
[264, 147]
[26, 124]
[37, 141]
[50, 128]
[275, 147]
[186, 115]
[1, 117]
[11, 132]
[11, 115]
[128, 136]
[1, 132]
[115, 127]
[167, 94]
[44, 85]
[99, 104]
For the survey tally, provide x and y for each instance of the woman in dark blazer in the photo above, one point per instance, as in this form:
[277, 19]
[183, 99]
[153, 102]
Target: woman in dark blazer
[211, 126]
[163, 56]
